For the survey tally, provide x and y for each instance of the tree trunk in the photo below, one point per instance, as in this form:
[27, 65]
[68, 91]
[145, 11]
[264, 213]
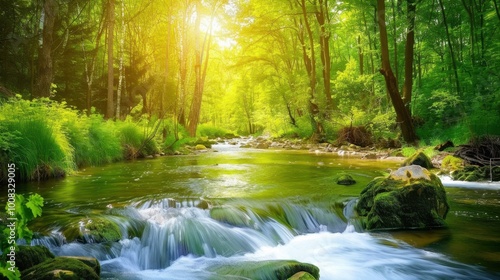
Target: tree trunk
[452, 53]
[310, 62]
[324, 42]
[45, 68]
[121, 74]
[403, 117]
[111, 27]
[409, 53]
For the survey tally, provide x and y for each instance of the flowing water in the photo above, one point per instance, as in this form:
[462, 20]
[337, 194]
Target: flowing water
[182, 216]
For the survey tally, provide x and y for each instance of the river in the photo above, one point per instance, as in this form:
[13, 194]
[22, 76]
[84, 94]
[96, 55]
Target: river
[182, 215]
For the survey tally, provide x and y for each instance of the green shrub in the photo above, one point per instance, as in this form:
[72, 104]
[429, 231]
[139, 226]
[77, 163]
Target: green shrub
[105, 146]
[208, 130]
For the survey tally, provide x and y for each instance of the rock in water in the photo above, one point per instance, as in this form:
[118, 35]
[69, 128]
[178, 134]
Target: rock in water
[345, 179]
[410, 198]
[61, 268]
[29, 256]
[418, 158]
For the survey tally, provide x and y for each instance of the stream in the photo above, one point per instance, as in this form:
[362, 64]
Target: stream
[180, 216]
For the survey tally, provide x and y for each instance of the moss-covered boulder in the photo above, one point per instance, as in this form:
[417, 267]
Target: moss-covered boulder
[345, 179]
[410, 198]
[29, 256]
[302, 275]
[419, 158]
[266, 270]
[473, 173]
[60, 268]
[97, 230]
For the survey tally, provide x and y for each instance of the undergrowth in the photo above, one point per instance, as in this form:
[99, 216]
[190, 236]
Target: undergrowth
[49, 139]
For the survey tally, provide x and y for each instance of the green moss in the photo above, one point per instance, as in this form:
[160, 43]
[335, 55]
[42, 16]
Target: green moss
[231, 215]
[419, 158]
[28, 256]
[101, 230]
[451, 163]
[60, 268]
[266, 270]
[302, 276]
[389, 203]
[345, 179]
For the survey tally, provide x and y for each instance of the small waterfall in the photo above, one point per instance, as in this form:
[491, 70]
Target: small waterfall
[187, 239]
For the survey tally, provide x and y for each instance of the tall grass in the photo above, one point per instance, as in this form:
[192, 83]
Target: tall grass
[39, 150]
[49, 139]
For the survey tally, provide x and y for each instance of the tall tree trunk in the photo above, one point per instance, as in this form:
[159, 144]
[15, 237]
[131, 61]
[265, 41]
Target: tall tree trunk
[360, 55]
[403, 117]
[90, 69]
[324, 42]
[121, 74]
[450, 45]
[111, 27]
[45, 66]
[409, 53]
[310, 62]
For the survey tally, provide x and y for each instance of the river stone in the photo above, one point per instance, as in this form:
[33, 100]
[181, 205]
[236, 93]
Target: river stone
[269, 270]
[28, 256]
[200, 147]
[409, 198]
[345, 179]
[418, 158]
[60, 268]
[98, 230]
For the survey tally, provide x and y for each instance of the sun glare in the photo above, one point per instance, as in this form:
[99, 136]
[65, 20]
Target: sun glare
[212, 25]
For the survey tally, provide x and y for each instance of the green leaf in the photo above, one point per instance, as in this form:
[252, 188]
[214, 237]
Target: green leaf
[35, 203]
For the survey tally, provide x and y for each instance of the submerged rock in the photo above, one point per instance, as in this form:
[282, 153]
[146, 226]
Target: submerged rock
[345, 179]
[410, 198]
[419, 158]
[269, 270]
[61, 268]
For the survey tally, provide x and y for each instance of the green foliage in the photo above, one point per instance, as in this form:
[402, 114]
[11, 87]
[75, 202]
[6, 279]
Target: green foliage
[208, 130]
[49, 139]
[174, 142]
[452, 163]
[25, 211]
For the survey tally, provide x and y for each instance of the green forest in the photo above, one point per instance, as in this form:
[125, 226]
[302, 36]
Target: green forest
[78, 73]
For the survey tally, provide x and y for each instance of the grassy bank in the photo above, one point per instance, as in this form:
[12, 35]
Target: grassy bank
[49, 139]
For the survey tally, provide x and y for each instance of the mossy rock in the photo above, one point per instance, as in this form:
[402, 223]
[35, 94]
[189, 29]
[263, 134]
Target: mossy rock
[410, 198]
[266, 270]
[302, 275]
[29, 256]
[472, 173]
[89, 261]
[346, 180]
[419, 158]
[451, 163]
[231, 216]
[98, 230]
[60, 268]
[200, 147]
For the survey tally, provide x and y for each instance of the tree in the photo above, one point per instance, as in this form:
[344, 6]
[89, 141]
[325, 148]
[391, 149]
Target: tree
[403, 116]
[111, 76]
[45, 65]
